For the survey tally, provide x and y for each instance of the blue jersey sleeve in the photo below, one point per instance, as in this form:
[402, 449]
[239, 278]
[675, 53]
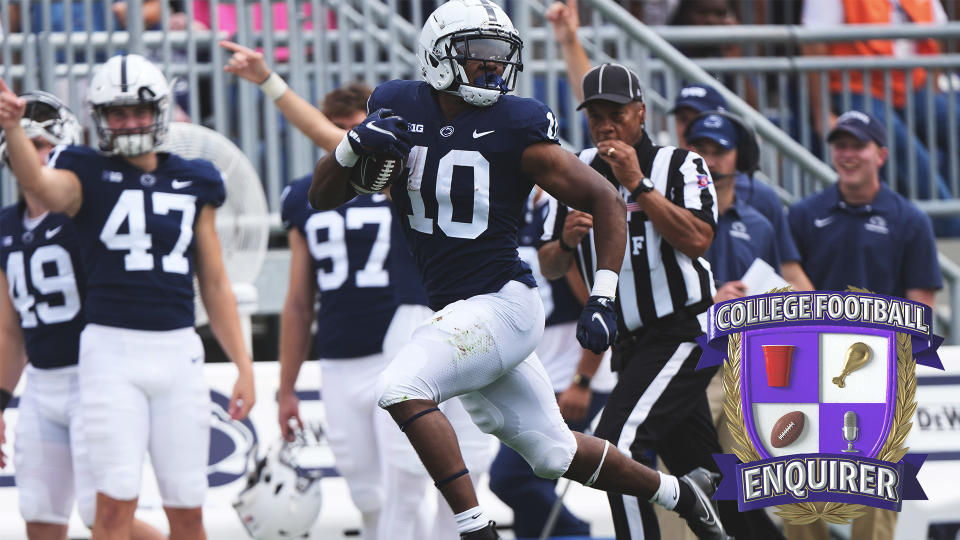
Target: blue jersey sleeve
[530, 122]
[294, 208]
[77, 158]
[213, 186]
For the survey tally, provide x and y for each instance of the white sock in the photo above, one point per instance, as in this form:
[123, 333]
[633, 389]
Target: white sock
[668, 493]
[471, 520]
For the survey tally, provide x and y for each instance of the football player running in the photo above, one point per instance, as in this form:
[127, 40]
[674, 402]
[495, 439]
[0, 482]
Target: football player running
[370, 300]
[145, 225]
[41, 315]
[472, 155]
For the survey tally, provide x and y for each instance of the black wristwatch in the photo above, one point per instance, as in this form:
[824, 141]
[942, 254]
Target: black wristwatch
[582, 380]
[646, 186]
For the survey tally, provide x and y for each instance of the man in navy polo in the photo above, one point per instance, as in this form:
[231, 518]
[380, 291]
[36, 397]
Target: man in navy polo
[860, 232]
[743, 233]
[694, 100]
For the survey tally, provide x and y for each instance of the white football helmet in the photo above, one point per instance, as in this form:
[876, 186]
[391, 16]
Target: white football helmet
[463, 30]
[282, 497]
[46, 117]
[129, 79]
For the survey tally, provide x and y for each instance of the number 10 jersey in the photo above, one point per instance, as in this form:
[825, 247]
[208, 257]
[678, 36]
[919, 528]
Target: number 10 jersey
[136, 235]
[463, 194]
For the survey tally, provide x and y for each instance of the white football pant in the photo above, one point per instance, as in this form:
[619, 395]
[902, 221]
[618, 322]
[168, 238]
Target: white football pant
[145, 390]
[387, 481]
[49, 454]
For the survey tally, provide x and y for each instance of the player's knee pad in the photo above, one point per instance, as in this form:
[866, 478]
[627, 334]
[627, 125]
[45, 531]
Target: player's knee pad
[548, 455]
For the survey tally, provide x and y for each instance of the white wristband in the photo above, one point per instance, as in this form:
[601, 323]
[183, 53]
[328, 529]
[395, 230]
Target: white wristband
[274, 86]
[605, 283]
[344, 153]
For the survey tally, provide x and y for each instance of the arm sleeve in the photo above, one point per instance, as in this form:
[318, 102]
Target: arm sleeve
[699, 193]
[216, 193]
[921, 269]
[537, 123]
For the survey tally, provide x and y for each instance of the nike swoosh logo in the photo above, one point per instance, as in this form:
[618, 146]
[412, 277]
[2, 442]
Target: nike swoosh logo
[478, 134]
[820, 223]
[599, 319]
[707, 518]
[52, 232]
[476, 516]
[180, 184]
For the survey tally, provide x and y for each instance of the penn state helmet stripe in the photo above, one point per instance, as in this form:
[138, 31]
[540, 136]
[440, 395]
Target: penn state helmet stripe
[490, 11]
[123, 73]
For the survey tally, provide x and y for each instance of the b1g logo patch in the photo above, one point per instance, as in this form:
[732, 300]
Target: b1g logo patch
[819, 396]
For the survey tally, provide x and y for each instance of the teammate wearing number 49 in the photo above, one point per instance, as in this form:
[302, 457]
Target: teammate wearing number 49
[473, 156]
[145, 223]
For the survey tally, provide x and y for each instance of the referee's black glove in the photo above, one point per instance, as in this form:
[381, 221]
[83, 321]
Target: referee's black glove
[597, 327]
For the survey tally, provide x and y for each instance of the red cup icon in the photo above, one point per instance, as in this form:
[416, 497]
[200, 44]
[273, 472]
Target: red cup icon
[778, 359]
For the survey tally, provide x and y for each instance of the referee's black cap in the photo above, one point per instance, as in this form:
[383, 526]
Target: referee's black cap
[611, 82]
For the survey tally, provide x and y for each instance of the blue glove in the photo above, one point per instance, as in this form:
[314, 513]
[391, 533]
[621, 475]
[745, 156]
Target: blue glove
[381, 133]
[597, 327]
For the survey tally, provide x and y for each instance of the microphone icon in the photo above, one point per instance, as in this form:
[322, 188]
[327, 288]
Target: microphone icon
[850, 430]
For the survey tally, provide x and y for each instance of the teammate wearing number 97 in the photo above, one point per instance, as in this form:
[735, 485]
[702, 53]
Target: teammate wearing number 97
[476, 154]
[145, 222]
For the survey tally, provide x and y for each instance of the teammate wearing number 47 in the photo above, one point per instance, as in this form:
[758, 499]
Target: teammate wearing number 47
[472, 157]
[145, 222]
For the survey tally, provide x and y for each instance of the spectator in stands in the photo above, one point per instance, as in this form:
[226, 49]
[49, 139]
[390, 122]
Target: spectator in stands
[859, 232]
[828, 13]
[696, 99]
[712, 13]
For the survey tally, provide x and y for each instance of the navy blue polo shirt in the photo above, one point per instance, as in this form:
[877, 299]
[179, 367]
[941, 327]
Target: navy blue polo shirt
[886, 246]
[743, 234]
[764, 198]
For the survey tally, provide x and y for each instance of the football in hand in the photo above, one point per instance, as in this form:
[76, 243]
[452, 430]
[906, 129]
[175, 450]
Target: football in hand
[375, 173]
[787, 429]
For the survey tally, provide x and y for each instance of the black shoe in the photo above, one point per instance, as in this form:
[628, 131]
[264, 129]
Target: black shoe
[702, 518]
[487, 533]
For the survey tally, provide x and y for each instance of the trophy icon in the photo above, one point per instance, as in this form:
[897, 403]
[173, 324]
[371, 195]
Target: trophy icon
[857, 356]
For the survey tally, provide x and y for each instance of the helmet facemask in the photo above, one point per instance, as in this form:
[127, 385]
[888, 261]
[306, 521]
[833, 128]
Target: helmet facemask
[132, 141]
[498, 51]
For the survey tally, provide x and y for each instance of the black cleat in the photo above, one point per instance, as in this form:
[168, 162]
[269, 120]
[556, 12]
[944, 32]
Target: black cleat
[487, 533]
[702, 518]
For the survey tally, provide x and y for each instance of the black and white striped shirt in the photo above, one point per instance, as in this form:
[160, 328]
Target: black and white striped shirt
[656, 280]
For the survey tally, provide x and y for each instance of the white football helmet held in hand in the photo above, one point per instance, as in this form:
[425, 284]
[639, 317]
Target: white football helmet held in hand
[282, 498]
[124, 80]
[470, 30]
[46, 117]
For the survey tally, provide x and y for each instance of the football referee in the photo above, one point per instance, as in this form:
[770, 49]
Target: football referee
[659, 403]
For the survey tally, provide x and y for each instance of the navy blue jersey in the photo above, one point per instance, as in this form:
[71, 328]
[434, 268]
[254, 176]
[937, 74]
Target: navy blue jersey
[42, 265]
[743, 235]
[886, 246]
[363, 268]
[136, 235]
[765, 199]
[559, 303]
[462, 196]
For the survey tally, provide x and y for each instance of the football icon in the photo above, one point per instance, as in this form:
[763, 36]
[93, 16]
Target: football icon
[787, 429]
